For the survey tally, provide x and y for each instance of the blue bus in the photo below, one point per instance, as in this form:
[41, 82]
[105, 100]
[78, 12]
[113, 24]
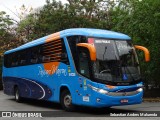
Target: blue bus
[79, 66]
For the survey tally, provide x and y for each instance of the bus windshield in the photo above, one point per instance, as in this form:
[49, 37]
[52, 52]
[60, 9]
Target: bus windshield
[116, 61]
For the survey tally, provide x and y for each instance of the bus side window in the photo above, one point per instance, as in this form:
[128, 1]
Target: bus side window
[34, 56]
[72, 41]
[14, 60]
[7, 60]
[72, 44]
[22, 59]
[64, 55]
[18, 58]
[84, 63]
[54, 52]
[40, 55]
[45, 58]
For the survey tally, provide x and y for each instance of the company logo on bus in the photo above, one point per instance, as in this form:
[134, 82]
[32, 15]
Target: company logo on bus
[51, 71]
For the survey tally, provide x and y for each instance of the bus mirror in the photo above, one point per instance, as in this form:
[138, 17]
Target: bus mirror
[146, 52]
[91, 48]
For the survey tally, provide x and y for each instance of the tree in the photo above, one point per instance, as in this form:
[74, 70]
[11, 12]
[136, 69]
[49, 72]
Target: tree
[55, 16]
[5, 36]
[25, 24]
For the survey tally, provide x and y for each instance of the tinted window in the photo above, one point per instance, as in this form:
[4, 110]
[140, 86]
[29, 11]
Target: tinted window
[72, 41]
[83, 63]
[54, 51]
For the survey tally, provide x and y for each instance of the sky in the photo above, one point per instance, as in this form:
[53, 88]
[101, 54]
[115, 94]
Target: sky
[11, 7]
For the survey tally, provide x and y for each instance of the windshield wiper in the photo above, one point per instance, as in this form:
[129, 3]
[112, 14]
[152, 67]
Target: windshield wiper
[104, 52]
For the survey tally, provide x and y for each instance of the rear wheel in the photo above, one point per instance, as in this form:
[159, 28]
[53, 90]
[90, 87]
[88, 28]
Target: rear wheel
[18, 98]
[66, 101]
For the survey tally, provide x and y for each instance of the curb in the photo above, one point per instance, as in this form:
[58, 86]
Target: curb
[151, 100]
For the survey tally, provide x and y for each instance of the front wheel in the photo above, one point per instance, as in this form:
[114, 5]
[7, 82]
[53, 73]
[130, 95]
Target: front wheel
[66, 101]
[18, 98]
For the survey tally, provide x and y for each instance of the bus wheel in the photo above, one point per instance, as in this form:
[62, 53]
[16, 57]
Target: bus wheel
[66, 101]
[17, 95]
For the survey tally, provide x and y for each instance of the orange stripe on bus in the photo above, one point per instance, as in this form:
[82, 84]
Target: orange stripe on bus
[51, 67]
[52, 43]
[57, 50]
[58, 47]
[52, 48]
[59, 44]
[53, 36]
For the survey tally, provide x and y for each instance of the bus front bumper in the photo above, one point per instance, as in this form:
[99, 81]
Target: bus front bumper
[101, 100]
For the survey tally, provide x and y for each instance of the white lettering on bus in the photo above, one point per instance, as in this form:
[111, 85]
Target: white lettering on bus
[60, 72]
[102, 41]
[53, 69]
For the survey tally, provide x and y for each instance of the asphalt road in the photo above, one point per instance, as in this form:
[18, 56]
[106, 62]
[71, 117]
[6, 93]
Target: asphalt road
[7, 103]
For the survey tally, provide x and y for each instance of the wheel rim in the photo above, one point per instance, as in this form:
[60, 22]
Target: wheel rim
[17, 95]
[67, 101]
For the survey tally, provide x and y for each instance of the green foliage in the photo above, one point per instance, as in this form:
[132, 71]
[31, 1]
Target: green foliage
[5, 35]
[55, 16]
[5, 22]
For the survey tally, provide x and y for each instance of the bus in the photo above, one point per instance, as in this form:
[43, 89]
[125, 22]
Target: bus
[78, 66]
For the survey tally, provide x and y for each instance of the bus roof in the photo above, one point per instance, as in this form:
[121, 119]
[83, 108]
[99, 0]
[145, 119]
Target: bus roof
[76, 31]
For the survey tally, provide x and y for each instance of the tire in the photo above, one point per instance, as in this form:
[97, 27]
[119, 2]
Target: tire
[17, 96]
[66, 101]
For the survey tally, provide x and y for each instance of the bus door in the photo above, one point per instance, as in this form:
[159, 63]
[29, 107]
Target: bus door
[83, 69]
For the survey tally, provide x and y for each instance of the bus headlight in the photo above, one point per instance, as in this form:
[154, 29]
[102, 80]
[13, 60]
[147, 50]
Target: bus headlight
[140, 90]
[102, 91]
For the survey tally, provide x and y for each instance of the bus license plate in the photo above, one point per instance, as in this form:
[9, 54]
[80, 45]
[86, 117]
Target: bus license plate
[124, 101]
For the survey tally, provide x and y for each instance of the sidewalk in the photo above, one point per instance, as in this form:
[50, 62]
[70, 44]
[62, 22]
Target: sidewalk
[151, 99]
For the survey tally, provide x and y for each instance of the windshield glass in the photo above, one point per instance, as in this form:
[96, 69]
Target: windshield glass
[116, 60]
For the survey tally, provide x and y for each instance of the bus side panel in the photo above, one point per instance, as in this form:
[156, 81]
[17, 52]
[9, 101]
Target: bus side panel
[8, 86]
[28, 81]
[28, 88]
[33, 81]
